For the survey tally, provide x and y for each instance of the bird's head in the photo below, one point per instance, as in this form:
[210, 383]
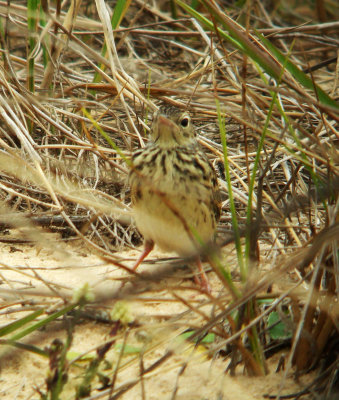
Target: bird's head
[172, 127]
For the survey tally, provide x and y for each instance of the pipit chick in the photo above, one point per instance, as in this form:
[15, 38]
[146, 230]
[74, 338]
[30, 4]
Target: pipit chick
[174, 189]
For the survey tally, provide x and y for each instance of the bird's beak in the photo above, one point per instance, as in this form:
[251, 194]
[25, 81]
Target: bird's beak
[164, 121]
[166, 127]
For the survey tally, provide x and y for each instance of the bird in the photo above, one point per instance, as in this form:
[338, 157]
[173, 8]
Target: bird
[174, 190]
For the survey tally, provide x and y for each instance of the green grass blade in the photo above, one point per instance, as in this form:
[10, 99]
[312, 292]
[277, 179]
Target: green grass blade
[254, 174]
[299, 75]
[2, 40]
[174, 12]
[45, 42]
[199, 17]
[24, 346]
[235, 226]
[238, 41]
[32, 12]
[274, 101]
[118, 14]
[43, 322]
[20, 323]
[194, 4]
[107, 138]
[269, 58]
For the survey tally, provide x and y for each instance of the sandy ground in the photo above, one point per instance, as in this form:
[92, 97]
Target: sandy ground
[67, 266]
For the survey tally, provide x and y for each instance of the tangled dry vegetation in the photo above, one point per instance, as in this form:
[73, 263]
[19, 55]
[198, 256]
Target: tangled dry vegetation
[77, 97]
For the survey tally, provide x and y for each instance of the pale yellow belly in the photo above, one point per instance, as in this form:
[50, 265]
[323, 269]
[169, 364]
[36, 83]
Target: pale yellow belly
[184, 229]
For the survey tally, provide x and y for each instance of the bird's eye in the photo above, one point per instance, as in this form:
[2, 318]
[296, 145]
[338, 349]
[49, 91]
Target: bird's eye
[184, 122]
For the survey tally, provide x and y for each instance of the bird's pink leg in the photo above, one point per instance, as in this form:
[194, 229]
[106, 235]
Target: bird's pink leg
[203, 280]
[148, 247]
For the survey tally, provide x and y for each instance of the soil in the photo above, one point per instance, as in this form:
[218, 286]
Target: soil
[189, 373]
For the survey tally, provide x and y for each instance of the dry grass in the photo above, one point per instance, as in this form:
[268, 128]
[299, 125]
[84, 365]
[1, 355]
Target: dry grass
[70, 118]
